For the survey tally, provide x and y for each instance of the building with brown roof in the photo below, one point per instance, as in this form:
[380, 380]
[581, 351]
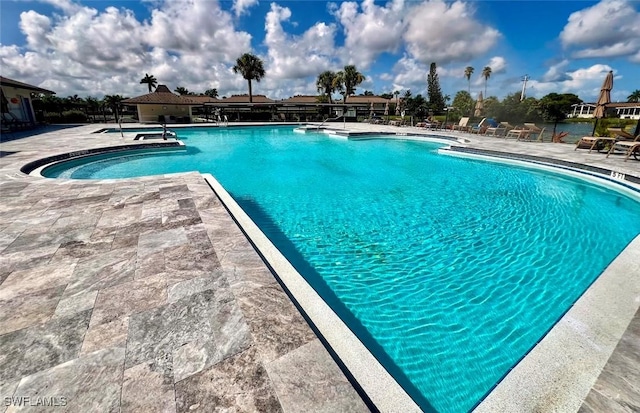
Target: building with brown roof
[16, 99]
[163, 106]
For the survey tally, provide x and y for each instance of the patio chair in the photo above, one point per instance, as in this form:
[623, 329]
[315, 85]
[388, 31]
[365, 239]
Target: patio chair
[600, 142]
[500, 130]
[462, 125]
[629, 147]
[13, 122]
[480, 127]
[535, 130]
[519, 132]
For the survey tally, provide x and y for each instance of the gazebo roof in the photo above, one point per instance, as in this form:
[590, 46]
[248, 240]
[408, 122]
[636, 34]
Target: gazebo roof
[163, 96]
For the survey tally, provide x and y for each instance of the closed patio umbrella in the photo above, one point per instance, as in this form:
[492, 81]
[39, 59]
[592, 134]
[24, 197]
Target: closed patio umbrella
[386, 109]
[371, 110]
[603, 99]
[479, 106]
[397, 109]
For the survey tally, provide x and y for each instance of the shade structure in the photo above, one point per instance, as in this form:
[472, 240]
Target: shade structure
[386, 109]
[479, 106]
[603, 99]
[371, 110]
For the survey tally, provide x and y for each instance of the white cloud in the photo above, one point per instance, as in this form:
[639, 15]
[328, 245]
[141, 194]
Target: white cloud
[584, 82]
[607, 29]
[81, 50]
[410, 74]
[446, 32]
[295, 57]
[35, 27]
[498, 65]
[374, 30]
[240, 7]
[196, 26]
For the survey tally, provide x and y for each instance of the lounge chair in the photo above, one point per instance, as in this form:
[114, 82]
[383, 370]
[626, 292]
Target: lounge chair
[13, 122]
[462, 125]
[519, 132]
[600, 142]
[535, 130]
[500, 130]
[480, 127]
[629, 147]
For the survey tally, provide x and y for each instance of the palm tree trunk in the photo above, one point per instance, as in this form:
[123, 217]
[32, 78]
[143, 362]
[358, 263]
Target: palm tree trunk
[250, 95]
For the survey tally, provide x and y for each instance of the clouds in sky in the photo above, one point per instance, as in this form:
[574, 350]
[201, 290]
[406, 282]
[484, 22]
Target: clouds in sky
[610, 28]
[194, 43]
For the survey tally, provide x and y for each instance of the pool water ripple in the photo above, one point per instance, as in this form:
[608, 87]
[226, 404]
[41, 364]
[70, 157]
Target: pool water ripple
[454, 268]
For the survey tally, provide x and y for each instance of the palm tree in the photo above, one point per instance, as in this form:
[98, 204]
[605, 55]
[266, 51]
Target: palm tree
[634, 96]
[326, 83]
[113, 102]
[468, 71]
[348, 79]
[181, 90]
[93, 105]
[486, 73]
[396, 93]
[251, 68]
[150, 80]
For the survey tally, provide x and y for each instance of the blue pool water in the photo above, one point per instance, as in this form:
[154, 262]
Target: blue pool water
[448, 269]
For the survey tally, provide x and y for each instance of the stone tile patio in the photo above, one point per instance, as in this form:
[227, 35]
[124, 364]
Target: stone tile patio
[144, 295]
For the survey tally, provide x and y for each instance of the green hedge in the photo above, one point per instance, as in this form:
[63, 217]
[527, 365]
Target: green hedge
[69, 116]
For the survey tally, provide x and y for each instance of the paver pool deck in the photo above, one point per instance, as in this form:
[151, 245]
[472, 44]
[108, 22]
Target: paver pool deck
[144, 294]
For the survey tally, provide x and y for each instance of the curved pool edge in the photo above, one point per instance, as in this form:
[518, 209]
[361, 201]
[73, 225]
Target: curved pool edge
[35, 168]
[374, 380]
[499, 395]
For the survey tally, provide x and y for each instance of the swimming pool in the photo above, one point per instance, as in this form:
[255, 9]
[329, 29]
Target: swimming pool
[448, 269]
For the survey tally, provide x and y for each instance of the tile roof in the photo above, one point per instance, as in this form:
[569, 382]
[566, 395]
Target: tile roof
[245, 99]
[163, 96]
[302, 99]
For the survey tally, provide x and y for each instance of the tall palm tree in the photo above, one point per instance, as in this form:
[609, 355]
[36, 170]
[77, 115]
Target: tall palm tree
[486, 73]
[634, 96]
[150, 80]
[348, 79]
[251, 68]
[326, 83]
[468, 71]
[396, 93]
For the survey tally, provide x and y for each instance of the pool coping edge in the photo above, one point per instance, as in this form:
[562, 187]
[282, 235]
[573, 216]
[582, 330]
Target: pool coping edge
[382, 389]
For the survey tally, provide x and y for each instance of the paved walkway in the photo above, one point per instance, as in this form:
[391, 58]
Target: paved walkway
[143, 295]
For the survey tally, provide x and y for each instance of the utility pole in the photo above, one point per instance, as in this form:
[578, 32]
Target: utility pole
[524, 79]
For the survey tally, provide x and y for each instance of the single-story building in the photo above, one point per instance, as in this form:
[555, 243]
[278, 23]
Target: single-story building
[622, 110]
[164, 106]
[627, 110]
[17, 99]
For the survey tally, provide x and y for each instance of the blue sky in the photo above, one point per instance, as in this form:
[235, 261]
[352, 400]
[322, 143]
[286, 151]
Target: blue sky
[105, 47]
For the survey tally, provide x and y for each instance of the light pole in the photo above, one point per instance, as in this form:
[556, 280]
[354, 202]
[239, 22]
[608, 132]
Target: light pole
[524, 79]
